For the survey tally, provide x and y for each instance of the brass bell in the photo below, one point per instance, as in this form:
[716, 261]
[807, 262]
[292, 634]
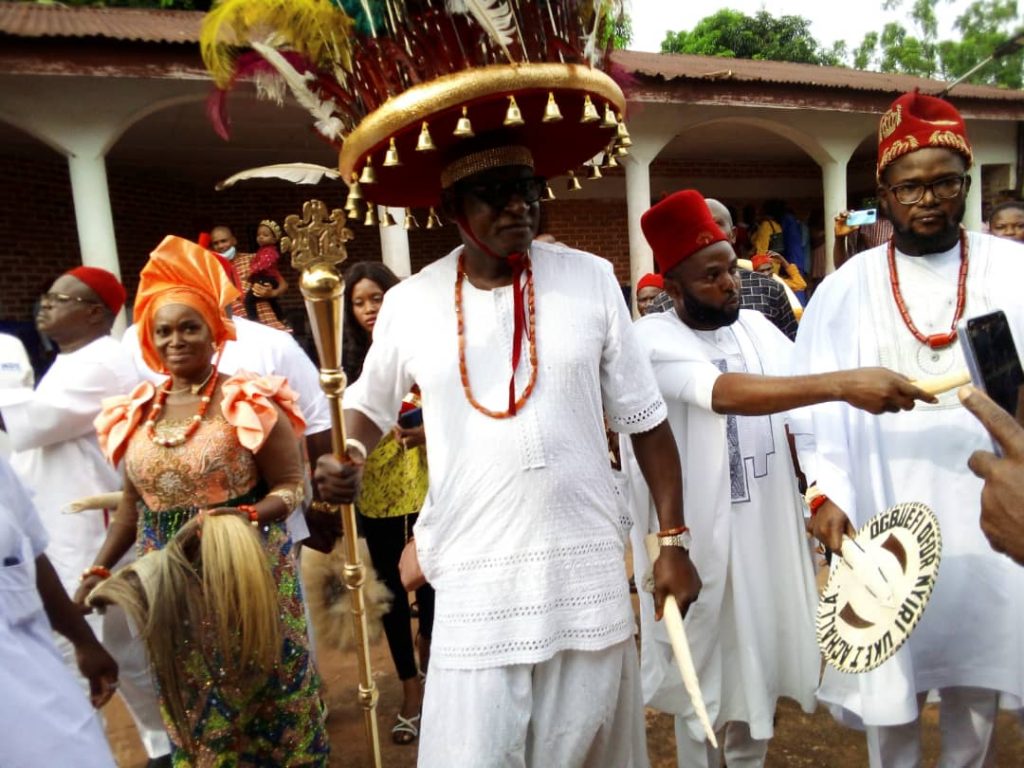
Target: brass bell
[513, 117]
[573, 184]
[609, 118]
[463, 128]
[552, 114]
[425, 143]
[590, 114]
[549, 193]
[433, 222]
[368, 176]
[621, 151]
[388, 220]
[623, 135]
[595, 173]
[410, 220]
[353, 212]
[351, 202]
[355, 191]
[371, 215]
[391, 156]
[610, 161]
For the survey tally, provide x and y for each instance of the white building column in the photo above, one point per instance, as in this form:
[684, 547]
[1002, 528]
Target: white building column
[833, 179]
[638, 200]
[972, 212]
[394, 242]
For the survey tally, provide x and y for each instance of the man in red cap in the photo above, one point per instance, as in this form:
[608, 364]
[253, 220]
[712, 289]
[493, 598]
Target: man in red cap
[899, 305]
[724, 374]
[647, 289]
[56, 454]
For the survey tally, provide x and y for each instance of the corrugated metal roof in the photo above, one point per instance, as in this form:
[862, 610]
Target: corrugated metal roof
[717, 68]
[137, 24]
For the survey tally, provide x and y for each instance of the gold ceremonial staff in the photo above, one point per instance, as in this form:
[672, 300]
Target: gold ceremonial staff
[317, 245]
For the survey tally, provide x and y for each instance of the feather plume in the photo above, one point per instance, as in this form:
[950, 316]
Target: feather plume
[495, 17]
[590, 49]
[327, 122]
[297, 173]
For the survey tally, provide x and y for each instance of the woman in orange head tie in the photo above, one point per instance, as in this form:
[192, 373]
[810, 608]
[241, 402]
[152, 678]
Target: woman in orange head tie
[212, 471]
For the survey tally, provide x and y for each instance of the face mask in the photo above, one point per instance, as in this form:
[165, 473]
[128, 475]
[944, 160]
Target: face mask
[229, 253]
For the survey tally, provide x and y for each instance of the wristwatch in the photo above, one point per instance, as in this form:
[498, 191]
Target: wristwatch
[677, 540]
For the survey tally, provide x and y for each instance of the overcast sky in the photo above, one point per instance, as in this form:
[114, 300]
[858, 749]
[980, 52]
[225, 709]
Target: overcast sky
[829, 21]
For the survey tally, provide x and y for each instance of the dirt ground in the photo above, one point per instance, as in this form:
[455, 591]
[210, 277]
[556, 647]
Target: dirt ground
[801, 740]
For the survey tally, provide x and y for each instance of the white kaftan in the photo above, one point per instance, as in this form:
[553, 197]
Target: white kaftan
[751, 631]
[47, 719]
[56, 453]
[522, 534]
[972, 633]
[16, 378]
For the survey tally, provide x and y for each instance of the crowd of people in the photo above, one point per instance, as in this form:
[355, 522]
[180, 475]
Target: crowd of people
[168, 481]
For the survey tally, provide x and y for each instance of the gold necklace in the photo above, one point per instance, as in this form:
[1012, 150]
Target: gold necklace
[193, 388]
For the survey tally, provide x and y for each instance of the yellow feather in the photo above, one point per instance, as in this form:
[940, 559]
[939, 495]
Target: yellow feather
[315, 28]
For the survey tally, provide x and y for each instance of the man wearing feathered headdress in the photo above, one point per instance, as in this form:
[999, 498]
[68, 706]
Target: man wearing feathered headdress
[520, 350]
[899, 305]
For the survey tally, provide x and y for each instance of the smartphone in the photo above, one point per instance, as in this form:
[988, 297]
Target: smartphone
[992, 358]
[410, 419]
[861, 218]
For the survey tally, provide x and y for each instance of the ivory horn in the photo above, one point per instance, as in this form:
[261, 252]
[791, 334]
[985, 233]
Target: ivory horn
[681, 649]
[938, 385]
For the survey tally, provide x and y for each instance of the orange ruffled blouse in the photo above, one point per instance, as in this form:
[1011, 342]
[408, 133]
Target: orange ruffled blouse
[247, 404]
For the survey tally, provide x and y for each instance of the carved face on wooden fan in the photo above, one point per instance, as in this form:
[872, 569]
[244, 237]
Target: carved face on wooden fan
[870, 605]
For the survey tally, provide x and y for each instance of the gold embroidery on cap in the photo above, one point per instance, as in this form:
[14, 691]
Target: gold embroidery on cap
[898, 148]
[890, 122]
[950, 140]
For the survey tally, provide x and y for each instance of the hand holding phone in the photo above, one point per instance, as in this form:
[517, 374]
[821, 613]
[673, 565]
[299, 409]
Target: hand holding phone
[862, 218]
[992, 358]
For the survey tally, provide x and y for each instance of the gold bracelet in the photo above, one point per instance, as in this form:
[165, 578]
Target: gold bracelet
[324, 506]
[292, 497]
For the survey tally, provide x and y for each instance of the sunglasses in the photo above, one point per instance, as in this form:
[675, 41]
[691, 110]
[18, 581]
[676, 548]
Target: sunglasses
[497, 194]
[63, 298]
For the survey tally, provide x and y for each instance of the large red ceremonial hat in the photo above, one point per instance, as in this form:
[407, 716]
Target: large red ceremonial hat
[916, 121]
[678, 227]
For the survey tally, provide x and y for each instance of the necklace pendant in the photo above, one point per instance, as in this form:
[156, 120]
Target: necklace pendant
[939, 340]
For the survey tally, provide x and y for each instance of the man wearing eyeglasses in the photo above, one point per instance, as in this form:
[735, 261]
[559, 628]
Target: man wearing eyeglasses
[898, 305]
[56, 454]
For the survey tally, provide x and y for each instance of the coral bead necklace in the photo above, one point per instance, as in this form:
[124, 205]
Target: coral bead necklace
[936, 340]
[193, 423]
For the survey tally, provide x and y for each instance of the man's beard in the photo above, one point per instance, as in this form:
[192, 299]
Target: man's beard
[707, 315]
[937, 243]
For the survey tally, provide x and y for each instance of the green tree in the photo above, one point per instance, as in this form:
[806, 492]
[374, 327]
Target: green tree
[736, 35]
[982, 28]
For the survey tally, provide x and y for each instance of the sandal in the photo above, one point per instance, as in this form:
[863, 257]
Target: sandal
[406, 729]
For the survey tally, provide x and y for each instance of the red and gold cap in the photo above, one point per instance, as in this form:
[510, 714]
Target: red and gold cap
[916, 121]
[104, 284]
[678, 227]
[651, 280]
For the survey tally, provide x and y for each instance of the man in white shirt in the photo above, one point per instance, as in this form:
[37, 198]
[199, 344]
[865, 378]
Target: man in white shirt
[522, 535]
[16, 377]
[57, 456]
[725, 376]
[898, 305]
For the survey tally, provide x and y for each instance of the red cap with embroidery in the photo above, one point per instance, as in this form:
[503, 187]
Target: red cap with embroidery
[105, 285]
[915, 121]
[678, 227]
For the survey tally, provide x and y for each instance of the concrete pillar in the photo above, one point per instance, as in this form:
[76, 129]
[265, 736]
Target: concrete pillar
[394, 242]
[972, 213]
[833, 178]
[94, 217]
[638, 200]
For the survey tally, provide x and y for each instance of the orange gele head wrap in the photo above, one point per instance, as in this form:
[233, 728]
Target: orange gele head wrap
[181, 272]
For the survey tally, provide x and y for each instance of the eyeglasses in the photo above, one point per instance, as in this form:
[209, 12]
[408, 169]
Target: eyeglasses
[63, 298]
[913, 192]
[498, 194]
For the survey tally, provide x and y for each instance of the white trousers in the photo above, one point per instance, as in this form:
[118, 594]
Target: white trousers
[734, 744]
[967, 719]
[135, 680]
[578, 709]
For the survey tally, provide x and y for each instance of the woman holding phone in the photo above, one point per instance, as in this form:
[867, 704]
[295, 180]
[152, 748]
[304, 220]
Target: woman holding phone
[393, 489]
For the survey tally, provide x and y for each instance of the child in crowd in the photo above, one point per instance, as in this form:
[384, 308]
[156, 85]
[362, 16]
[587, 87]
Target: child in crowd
[263, 270]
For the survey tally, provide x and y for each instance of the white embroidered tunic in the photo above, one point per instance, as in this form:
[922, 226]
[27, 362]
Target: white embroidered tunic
[972, 633]
[522, 534]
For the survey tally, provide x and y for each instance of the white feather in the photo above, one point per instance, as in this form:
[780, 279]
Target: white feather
[590, 49]
[496, 18]
[326, 122]
[297, 173]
